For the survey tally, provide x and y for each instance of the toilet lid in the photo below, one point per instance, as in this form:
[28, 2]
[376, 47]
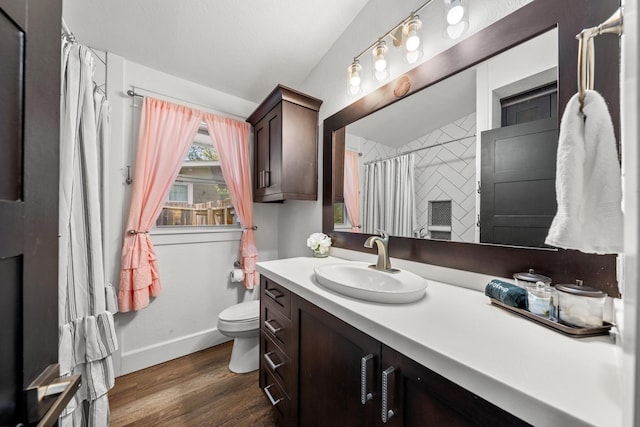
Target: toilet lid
[243, 312]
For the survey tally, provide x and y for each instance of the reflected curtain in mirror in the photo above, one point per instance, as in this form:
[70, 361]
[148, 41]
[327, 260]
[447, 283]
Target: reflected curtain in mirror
[352, 189]
[389, 196]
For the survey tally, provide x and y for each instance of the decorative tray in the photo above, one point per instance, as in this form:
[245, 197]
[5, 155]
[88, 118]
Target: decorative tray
[571, 331]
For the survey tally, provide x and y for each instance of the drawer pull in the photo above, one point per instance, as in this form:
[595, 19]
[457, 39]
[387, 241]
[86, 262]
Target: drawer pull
[270, 327]
[365, 396]
[273, 401]
[270, 362]
[274, 294]
[386, 412]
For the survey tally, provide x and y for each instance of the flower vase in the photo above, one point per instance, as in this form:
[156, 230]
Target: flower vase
[320, 255]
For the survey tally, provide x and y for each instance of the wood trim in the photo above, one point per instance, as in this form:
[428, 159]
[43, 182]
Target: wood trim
[537, 17]
[283, 93]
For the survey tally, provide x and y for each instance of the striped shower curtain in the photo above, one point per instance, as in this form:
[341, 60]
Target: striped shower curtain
[389, 196]
[86, 302]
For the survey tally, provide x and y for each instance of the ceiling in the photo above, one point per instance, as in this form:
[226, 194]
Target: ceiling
[241, 47]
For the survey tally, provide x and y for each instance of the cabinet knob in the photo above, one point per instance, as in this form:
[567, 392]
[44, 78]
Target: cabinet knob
[270, 362]
[386, 412]
[273, 401]
[365, 395]
[270, 327]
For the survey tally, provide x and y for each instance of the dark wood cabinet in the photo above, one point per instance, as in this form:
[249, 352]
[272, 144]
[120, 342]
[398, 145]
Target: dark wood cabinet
[318, 370]
[278, 350]
[285, 132]
[337, 366]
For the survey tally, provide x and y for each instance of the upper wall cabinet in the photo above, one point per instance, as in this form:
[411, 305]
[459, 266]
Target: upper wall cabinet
[285, 147]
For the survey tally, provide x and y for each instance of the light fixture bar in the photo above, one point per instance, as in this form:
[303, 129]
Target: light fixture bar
[388, 33]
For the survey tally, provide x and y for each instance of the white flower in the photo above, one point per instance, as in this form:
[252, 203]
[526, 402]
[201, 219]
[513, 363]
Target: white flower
[319, 243]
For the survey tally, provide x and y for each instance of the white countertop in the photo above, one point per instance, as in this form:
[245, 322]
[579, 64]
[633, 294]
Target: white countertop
[539, 375]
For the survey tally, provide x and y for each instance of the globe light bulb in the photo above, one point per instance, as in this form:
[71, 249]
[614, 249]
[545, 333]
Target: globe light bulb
[354, 73]
[455, 31]
[455, 14]
[412, 38]
[412, 43]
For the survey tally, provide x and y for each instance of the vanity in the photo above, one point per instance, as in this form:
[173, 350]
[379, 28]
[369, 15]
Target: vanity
[449, 358]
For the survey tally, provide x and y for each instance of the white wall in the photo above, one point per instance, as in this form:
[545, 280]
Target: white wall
[194, 267]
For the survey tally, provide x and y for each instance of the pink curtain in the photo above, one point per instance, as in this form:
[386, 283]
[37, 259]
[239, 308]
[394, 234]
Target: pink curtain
[231, 141]
[166, 133]
[351, 189]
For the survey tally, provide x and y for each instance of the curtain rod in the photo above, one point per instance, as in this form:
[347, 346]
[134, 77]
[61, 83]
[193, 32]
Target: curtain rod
[420, 149]
[133, 94]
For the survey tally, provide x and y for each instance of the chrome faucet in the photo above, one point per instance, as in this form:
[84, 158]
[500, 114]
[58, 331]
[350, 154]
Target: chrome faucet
[382, 243]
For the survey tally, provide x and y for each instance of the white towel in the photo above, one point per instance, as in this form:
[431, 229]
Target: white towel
[588, 182]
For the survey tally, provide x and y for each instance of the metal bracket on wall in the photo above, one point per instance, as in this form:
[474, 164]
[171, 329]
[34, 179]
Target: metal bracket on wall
[128, 181]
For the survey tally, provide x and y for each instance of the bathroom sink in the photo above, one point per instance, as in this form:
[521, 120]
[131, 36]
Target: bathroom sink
[356, 279]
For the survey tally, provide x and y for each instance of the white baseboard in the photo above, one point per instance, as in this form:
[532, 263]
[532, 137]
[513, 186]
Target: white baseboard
[145, 357]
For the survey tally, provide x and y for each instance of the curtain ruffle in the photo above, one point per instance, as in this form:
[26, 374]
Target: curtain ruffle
[88, 339]
[85, 348]
[139, 278]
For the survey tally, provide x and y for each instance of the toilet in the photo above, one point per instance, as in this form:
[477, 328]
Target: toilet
[242, 322]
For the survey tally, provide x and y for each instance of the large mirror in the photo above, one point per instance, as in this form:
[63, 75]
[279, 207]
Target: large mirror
[440, 110]
[468, 159]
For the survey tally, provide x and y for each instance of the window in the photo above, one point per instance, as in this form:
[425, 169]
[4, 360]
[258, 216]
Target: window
[341, 220]
[199, 196]
[180, 193]
[338, 213]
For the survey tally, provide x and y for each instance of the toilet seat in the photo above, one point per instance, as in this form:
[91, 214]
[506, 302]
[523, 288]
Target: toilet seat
[240, 317]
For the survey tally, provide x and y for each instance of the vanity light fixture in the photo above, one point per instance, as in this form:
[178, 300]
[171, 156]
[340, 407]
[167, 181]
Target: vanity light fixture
[354, 77]
[412, 38]
[456, 16]
[379, 61]
[405, 35]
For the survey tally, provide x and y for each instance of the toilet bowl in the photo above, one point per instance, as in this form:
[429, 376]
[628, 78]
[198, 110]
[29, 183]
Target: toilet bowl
[242, 322]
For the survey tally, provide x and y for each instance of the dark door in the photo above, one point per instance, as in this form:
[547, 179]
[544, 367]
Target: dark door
[331, 372]
[518, 197]
[268, 137]
[29, 146]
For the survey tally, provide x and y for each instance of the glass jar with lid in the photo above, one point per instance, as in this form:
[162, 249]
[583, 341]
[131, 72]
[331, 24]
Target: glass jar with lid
[580, 305]
[530, 278]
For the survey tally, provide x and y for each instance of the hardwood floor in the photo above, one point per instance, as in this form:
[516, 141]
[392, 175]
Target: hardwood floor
[194, 390]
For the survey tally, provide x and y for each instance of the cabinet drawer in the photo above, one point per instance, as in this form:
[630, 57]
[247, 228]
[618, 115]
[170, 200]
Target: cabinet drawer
[278, 363]
[277, 296]
[278, 399]
[277, 327]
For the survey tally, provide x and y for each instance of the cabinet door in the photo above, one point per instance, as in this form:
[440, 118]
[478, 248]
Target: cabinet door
[331, 378]
[420, 397]
[268, 154]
